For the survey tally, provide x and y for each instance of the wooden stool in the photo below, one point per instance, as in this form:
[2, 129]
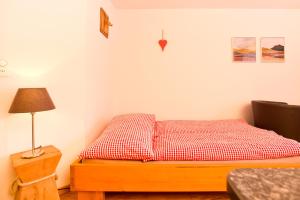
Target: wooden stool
[36, 176]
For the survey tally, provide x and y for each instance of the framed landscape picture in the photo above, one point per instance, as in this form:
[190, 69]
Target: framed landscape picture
[243, 49]
[272, 49]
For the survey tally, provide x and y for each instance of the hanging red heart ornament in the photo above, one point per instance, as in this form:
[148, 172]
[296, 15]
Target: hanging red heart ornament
[162, 43]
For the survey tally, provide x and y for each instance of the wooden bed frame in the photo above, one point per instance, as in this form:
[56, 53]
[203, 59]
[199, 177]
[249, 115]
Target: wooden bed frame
[92, 178]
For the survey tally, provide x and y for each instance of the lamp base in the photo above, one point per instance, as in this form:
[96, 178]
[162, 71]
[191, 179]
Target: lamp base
[32, 154]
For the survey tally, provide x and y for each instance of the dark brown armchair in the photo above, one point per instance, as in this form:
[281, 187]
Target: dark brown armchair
[280, 117]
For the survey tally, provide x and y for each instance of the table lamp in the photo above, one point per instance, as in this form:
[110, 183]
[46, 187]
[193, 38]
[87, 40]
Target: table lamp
[31, 100]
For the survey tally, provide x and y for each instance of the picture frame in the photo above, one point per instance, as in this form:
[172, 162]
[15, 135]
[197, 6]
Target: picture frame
[272, 49]
[243, 49]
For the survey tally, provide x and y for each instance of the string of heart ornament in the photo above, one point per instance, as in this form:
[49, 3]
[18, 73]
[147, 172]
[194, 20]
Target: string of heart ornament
[162, 43]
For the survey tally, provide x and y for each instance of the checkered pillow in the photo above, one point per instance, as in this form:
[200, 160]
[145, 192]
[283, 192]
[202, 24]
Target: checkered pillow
[127, 137]
[219, 140]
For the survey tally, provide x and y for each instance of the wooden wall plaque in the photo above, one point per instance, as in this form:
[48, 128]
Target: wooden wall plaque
[104, 23]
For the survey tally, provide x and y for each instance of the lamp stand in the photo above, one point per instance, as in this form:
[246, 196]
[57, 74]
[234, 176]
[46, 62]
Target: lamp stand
[35, 152]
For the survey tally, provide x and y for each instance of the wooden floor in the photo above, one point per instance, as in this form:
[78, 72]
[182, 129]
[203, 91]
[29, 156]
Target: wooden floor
[157, 196]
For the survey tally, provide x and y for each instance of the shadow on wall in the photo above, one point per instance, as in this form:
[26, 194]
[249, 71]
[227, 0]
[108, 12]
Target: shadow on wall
[5, 102]
[96, 130]
[247, 113]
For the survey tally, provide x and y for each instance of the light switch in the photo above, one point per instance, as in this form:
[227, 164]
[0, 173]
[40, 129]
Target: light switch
[3, 68]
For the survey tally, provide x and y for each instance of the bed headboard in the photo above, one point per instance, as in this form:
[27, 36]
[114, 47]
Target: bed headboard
[280, 117]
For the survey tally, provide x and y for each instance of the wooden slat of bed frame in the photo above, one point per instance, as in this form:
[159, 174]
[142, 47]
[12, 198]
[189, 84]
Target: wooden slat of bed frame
[95, 178]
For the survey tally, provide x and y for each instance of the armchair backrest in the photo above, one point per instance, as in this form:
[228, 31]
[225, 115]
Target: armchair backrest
[280, 117]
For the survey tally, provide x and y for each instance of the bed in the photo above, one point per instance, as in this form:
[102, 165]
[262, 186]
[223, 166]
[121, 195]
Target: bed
[145, 172]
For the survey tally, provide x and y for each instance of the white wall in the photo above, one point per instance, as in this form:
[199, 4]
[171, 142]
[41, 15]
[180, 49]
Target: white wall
[57, 45]
[194, 78]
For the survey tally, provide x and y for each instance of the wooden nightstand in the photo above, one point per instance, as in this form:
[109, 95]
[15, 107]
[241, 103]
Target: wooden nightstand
[40, 168]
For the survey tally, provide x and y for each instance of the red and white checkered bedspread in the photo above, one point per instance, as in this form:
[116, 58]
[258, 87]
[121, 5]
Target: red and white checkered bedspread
[219, 140]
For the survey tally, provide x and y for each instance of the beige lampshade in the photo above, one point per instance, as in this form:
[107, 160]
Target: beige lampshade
[31, 100]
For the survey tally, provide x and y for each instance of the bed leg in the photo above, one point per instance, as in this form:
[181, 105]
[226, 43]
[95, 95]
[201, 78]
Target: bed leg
[90, 196]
